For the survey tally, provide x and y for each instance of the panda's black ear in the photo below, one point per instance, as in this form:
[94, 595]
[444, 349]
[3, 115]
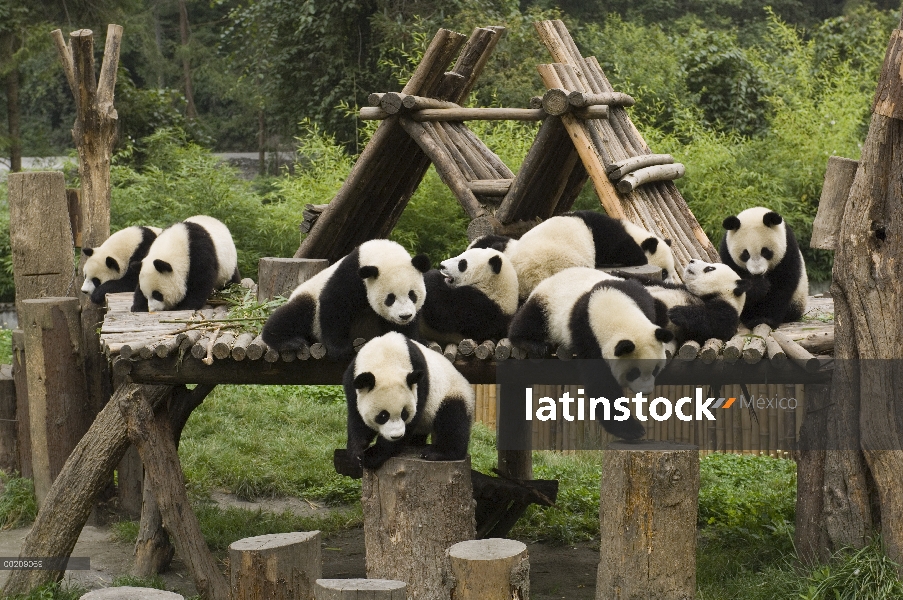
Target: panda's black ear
[731, 223]
[368, 272]
[87, 251]
[624, 347]
[162, 266]
[421, 262]
[112, 264]
[414, 377]
[772, 218]
[135, 265]
[664, 335]
[743, 286]
[365, 381]
[668, 241]
[496, 263]
[650, 245]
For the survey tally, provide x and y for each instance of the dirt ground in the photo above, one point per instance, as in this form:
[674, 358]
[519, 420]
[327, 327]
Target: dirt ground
[555, 571]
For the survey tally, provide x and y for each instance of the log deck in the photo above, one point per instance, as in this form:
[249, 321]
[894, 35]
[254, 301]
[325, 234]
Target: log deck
[150, 348]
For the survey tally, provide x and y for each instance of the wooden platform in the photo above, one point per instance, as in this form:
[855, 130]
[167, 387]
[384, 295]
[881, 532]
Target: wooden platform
[162, 348]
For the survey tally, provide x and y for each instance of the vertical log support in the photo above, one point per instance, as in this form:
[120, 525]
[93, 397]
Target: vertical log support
[647, 517]
[282, 566]
[9, 436]
[280, 276]
[58, 406]
[413, 511]
[23, 423]
[490, 569]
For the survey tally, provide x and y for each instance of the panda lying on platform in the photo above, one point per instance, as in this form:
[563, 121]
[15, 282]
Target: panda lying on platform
[762, 249]
[580, 239]
[474, 295]
[399, 392]
[597, 316]
[185, 264]
[376, 288]
[114, 265]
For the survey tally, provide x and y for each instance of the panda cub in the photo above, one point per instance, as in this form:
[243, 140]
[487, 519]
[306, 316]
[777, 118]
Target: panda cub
[113, 266]
[598, 316]
[399, 392]
[581, 239]
[473, 295]
[185, 264]
[707, 306]
[761, 247]
[376, 288]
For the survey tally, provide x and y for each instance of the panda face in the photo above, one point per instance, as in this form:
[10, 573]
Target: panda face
[486, 270]
[635, 363]
[658, 253]
[387, 401]
[708, 279]
[164, 271]
[394, 281]
[109, 261]
[756, 239]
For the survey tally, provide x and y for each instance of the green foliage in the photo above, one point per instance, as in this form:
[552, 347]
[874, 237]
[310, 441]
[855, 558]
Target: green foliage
[126, 531]
[6, 350]
[18, 506]
[52, 591]
[155, 582]
[864, 574]
[7, 289]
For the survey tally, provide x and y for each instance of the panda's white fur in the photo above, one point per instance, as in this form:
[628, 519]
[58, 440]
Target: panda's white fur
[185, 264]
[661, 256]
[760, 246]
[400, 392]
[473, 295]
[112, 260]
[377, 279]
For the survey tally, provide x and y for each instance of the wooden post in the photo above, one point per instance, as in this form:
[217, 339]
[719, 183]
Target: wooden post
[9, 451]
[490, 569]
[281, 566]
[131, 593]
[280, 276]
[360, 589]
[40, 237]
[413, 511]
[834, 193]
[129, 476]
[71, 497]
[647, 518]
[23, 423]
[58, 406]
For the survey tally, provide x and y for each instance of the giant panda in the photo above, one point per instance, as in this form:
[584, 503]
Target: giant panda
[399, 392]
[707, 305]
[581, 239]
[113, 266]
[185, 264]
[473, 295]
[376, 288]
[597, 316]
[761, 247]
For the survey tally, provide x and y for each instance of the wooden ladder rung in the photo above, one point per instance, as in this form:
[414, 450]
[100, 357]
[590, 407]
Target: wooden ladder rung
[490, 187]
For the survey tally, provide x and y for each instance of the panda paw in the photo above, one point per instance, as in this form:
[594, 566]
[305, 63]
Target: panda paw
[431, 453]
[629, 430]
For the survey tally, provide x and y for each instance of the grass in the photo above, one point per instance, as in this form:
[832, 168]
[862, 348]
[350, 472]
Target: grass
[6, 349]
[17, 503]
[52, 591]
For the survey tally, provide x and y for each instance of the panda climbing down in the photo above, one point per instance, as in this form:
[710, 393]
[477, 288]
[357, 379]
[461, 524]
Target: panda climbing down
[376, 288]
[185, 264]
[760, 246]
[114, 265]
[580, 239]
[597, 316]
[399, 392]
[473, 295]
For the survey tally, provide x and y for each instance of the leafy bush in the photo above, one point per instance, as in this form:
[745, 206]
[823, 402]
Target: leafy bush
[17, 503]
[6, 350]
[7, 289]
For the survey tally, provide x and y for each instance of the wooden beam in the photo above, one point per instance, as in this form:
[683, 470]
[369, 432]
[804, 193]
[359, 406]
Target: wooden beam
[839, 177]
[618, 169]
[478, 114]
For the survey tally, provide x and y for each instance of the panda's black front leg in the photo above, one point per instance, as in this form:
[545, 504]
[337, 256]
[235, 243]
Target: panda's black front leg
[377, 454]
[451, 432]
[139, 301]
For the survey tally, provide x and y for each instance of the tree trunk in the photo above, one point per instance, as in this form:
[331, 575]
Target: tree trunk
[190, 110]
[280, 566]
[14, 120]
[9, 437]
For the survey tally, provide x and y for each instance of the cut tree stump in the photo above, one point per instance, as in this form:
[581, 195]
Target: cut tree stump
[131, 593]
[413, 511]
[9, 437]
[647, 519]
[834, 193]
[59, 411]
[490, 569]
[281, 566]
[280, 276]
[360, 589]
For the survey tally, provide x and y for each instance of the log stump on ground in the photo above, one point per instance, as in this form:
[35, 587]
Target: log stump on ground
[360, 589]
[281, 566]
[490, 569]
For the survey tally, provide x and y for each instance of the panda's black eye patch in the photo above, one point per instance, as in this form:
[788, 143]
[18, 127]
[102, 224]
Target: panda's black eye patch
[633, 374]
[744, 256]
[664, 273]
[405, 414]
[767, 254]
[708, 269]
[382, 418]
[412, 296]
[156, 295]
[95, 281]
[462, 265]
[390, 299]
